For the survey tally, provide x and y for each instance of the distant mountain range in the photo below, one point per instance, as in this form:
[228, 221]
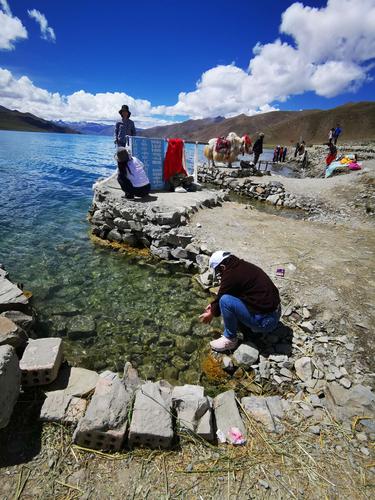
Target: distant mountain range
[356, 119]
[88, 127]
[15, 120]
[284, 127]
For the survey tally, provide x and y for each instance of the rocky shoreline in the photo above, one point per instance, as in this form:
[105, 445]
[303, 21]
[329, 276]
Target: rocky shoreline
[96, 406]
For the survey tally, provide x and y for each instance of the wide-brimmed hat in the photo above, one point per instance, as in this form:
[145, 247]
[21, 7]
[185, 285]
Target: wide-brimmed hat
[125, 108]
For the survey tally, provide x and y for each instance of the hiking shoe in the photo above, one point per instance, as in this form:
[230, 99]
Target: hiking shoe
[223, 344]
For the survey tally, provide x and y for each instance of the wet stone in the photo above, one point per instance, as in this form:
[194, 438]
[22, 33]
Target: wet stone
[81, 327]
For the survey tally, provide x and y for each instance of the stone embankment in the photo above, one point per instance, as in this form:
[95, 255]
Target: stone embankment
[159, 223]
[107, 412]
[263, 189]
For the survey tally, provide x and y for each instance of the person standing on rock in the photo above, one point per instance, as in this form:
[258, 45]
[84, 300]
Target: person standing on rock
[124, 128]
[258, 148]
[336, 134]
[131, 175]
[246, 295]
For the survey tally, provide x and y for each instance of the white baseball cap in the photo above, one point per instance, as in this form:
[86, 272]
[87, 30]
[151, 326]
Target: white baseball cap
[217, 258]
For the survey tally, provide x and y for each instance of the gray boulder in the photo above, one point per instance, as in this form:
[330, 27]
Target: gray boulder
[344, 403]
[151, 423]
[105, 422]
[246, 355]
[304, 368]
[62, 408]
[190, 405]
[11, 334]
[10, 378]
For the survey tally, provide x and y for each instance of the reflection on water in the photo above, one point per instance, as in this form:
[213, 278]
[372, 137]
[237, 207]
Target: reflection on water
[106, 307]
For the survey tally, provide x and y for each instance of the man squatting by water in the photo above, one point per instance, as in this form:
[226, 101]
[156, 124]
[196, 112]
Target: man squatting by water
[246, 295]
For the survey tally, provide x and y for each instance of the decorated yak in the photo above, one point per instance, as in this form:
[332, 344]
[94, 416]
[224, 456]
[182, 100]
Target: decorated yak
[224, 149]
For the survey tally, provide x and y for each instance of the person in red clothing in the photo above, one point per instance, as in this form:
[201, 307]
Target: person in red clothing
[332, 154]
[246, 295]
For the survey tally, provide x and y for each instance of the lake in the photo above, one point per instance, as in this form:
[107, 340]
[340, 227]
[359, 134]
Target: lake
[134, 311]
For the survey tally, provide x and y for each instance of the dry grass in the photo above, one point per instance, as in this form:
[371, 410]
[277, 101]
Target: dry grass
[294, 465]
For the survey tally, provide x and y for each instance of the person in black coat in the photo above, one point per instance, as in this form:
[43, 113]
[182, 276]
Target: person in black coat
[258, 148]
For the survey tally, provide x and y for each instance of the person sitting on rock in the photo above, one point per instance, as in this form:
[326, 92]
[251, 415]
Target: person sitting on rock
[131, 175]
[246, 295]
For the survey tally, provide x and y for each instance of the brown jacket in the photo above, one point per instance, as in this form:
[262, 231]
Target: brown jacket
[250, 284]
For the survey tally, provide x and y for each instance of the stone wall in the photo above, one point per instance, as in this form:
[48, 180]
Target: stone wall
[239, 181]
[159, 227]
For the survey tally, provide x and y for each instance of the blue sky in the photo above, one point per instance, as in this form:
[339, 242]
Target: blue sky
[80, 60]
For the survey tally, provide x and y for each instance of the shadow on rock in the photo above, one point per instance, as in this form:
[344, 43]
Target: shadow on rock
[277, 342]
[20, 441]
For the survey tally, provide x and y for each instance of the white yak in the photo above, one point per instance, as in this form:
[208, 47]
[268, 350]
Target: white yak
[229, 156]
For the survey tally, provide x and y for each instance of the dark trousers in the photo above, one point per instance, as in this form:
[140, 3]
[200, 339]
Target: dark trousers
[256, 158]
[130, 190]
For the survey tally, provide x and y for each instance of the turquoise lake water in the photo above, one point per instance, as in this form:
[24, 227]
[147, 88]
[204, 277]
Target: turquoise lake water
[130, 311]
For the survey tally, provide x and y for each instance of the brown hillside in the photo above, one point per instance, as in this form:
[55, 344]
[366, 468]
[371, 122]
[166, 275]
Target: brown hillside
[356, 119]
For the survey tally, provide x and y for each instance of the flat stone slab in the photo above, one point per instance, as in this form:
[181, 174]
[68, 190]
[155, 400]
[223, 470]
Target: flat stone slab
[105, 423]
[227, 414]
[11, 297]
[10, 378]
[267, 410]
[159, 201]
[63, 408]
[151, 423]
[41, 361]
[78, 382]
[344, 403]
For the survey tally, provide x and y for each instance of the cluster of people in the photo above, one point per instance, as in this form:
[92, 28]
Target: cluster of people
[279, 153]
[131, 174]
[334, 134]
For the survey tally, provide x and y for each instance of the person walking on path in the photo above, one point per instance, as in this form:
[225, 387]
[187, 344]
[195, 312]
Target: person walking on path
[331, 134]
[131, 175]
[336, 134]
[258, 148]
[285, 150]
[246, 295]
[124, 128]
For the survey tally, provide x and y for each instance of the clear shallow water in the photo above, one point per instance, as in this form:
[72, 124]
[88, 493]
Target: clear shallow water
[128, 310]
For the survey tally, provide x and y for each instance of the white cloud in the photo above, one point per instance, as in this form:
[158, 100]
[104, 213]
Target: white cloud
[330, 52]
[12, 28]
[47, 33]
[5, 7]
[23, 95]
[328, 56]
